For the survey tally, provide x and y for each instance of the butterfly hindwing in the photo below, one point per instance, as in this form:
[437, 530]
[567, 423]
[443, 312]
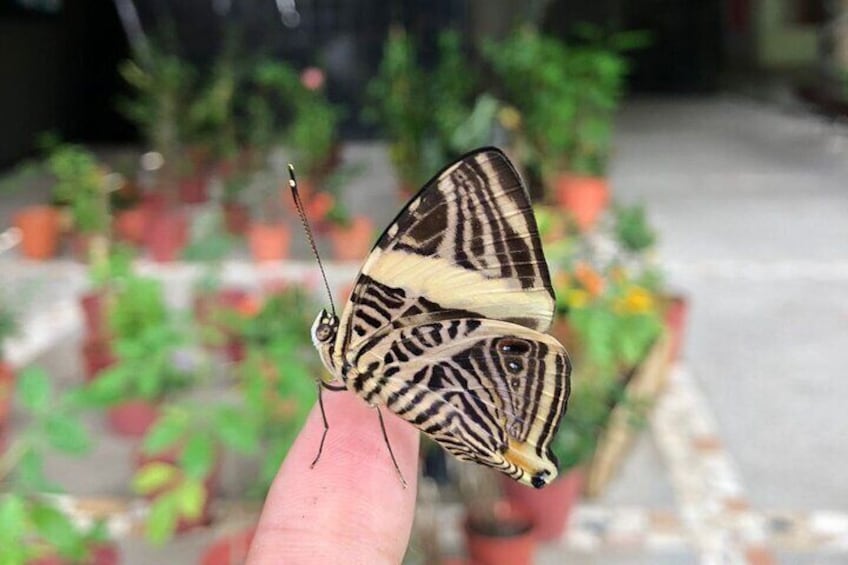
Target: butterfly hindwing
[488, 391]
[467, 242]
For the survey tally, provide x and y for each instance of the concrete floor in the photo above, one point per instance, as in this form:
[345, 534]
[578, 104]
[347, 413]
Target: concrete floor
[752, 207]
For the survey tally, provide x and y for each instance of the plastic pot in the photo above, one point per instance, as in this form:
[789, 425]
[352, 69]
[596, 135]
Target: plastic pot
[133, 418]
[269, 242]
[549, 508]
[585, 198]
[40, 229]
[507, 540]
[352, 242]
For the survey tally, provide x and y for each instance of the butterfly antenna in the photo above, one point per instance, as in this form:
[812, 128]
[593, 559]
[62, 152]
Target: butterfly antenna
[299, 205]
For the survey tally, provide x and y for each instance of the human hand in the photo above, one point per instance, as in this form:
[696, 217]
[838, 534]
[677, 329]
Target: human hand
[349, 508]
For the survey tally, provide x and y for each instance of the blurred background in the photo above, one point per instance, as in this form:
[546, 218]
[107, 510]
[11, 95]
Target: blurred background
[687, 162]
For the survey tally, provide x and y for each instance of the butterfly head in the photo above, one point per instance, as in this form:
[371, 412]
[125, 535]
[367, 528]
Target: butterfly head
[324, 330]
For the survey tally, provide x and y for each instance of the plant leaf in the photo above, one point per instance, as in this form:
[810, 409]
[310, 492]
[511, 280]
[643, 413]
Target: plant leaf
[34, 389]
[197, 457]
[67, 434]
[153, 477]
[162, 519]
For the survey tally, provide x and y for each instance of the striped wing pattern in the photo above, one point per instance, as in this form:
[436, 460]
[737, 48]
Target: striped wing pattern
[467, 242]
[445, 323]
[488, 391]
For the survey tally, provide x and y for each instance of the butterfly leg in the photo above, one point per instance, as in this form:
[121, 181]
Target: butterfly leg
[389, 445]
[334, 388]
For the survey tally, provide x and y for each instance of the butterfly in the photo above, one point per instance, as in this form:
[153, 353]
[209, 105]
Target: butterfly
[445, 326]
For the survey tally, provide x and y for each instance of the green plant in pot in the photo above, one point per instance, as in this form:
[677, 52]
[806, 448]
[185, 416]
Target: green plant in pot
[258, 419]
[567, 95]
[148, 346]
[422, 112]
[162, 84]
[32, 528]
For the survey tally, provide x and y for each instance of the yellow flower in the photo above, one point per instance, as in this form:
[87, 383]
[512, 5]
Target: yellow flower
[636, 301]
[510, 118]
[577, 298]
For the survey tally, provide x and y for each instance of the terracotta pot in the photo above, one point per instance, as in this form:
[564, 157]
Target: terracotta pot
[675, 320]
[353, 242]
[93, 305]
[40, 229]
[193, 189]
[549, 508]
[101, 554]
[316, 202]
[229, 550]
[585, 198]
[130, 225]
[7, 392]
[269, 242]
[166, 236]
[509, 541]
[133, 418]
[97, 355]
[236, 218]
[210, 484]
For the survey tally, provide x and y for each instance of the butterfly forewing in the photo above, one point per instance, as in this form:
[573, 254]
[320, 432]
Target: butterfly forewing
[488, 391]
[469, 242]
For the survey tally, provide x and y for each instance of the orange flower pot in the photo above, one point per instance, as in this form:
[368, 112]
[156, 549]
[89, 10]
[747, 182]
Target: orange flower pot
[236, 218]
[508, 541]
[229, 550]
[40, 226]
[133, 418]
[549, 508]
[167, 236]
[268, 242]
[352, 242]
[130, 224]
[7, 390]
[585, 198]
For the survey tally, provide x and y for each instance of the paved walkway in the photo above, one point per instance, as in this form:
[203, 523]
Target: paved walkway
[744, 458]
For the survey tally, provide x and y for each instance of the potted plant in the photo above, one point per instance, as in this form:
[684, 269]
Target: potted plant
[95, 303]
[162, 83]
[567, 95]
[268, 235]
[209, 126]
[33, 530]
[82, 184]
[422, 111]
[275, 390]
[351, 236]
[148, 346]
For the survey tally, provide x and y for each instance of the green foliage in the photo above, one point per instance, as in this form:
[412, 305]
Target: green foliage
[81, 183]
[209, 119]
[148, 343]
[30, 525]
[163, 86]
[8, 320]
[632, 229]
[567, 93]
[421, 112]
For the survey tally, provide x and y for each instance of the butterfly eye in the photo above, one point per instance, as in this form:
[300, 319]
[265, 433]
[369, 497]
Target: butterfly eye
[324, 332]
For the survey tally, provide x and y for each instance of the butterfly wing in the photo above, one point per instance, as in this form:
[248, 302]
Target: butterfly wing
[466, 243]
[488, 391]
